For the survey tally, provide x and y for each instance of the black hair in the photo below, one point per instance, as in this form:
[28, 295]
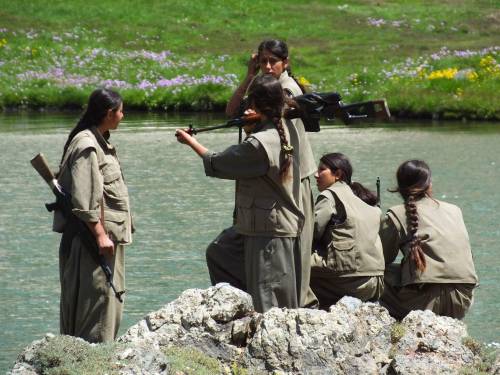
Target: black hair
[280, 49]
[265, 94]
[337, 161]
[100, 102]
[414, 182]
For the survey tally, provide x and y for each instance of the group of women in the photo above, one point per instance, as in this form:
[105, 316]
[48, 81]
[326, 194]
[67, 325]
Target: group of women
[283, 249]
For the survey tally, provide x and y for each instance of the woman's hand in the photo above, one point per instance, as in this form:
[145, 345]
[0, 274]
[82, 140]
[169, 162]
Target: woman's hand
[184, 137]
[187, 139]
[106, 246]
[253, 65]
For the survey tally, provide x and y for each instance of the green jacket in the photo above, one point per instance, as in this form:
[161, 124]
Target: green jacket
[349, 244]
[92, 174]
[444, 241]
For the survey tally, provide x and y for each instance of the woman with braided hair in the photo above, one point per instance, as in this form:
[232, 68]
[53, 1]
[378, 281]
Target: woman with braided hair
[348, 259]
[437, 271]
[271, 58]
[268, 216]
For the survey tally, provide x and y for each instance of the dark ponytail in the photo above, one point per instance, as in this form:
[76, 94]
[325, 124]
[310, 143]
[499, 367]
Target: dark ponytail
[414, 182]
[280, 49]
[337, 161]
[266, 95]
[100, 102]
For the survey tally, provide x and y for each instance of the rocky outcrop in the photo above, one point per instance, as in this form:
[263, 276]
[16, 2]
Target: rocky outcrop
[352, 338]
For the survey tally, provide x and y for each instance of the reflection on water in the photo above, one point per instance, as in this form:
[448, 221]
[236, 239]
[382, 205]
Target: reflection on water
[178, 210]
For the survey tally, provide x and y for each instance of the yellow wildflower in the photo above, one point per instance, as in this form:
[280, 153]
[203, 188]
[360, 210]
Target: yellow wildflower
[303, 81]
[472, 75]
[443, 74]
[3, 42]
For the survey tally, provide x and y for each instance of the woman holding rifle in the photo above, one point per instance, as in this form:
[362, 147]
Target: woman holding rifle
[268, 216]
[225, 254]
[91, 173]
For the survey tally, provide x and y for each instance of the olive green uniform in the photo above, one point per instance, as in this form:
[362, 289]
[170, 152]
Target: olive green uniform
[349, 259]
[268, 216]
[92, 174]
[307, 165]
[225, 255]
[446, 285]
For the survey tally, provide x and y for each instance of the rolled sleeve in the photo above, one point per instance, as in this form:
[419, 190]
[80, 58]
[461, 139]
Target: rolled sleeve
[323, 211]
[245, 160]
[391, 238]
[87, 186]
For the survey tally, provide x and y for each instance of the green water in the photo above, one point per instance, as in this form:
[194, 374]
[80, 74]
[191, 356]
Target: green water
[178, 210]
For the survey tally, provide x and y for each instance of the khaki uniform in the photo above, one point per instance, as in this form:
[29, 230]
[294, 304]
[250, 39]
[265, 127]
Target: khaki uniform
[349, 258]
[225, 255]
[92, 174]
[446, 285]
[307, 164]
[268, 216]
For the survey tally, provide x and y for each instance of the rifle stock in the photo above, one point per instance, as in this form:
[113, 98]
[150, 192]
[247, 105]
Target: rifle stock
[63, 202]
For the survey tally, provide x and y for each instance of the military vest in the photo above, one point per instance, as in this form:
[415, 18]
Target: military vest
[352, 244]
[444, 241]
[117, 217]
[267, 206]
[298, 133]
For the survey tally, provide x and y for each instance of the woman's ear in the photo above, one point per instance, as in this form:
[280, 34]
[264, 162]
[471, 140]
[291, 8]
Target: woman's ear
[338, 174]
[285, 63]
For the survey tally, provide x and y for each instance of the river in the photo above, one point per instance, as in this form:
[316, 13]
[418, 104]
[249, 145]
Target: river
[178, 210]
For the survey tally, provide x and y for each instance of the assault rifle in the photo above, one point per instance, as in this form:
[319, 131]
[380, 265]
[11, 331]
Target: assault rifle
[63, 203]
[311, 107]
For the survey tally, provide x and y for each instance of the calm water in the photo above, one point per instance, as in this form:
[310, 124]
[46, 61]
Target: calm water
[178, 210]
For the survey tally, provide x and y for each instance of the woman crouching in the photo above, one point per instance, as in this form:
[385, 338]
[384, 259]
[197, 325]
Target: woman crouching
[437, 271]
[348, 258]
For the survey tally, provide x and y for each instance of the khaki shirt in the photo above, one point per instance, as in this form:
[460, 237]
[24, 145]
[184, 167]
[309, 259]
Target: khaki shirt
[298, 133]
[92, 174]
[266, 206]
[346, 233]
[444, 241]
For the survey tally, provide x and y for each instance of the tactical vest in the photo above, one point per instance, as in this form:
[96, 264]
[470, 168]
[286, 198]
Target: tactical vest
[117, 218]
[352, 244]
[298, 134]
[265, 205]
[444, 241]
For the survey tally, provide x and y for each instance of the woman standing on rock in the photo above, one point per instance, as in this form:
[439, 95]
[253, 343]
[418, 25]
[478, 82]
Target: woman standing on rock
[267, 198]
[225, 253]
[348, 258]
[437, 271]
[91, 172]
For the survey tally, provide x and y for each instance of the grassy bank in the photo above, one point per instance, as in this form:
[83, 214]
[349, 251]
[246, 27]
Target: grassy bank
[429, 58]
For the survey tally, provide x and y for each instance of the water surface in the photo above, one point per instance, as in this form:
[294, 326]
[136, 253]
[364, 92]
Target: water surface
[178, 210]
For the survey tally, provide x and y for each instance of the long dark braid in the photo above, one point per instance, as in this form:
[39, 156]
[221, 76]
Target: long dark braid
[414, 182]
[280, 49]
[266, 95]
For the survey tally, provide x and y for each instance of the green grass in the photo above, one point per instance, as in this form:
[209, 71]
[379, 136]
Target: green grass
[52, 54]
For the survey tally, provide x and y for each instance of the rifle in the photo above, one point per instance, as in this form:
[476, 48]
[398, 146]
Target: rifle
[311, 107]
[63, 202]
[378, 191]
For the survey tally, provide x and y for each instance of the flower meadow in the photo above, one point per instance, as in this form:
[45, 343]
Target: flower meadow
[44, 69]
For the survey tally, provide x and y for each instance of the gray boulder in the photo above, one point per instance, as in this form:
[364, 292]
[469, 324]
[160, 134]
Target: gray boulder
[219, 322]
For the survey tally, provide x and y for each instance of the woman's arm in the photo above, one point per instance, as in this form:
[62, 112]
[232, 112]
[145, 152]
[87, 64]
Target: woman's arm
[323, 211]
[391, 238]
[245, 160]
[87, 193]
[233, 106]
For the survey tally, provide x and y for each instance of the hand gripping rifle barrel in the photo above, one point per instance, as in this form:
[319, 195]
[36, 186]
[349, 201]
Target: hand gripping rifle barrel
[63, 202]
